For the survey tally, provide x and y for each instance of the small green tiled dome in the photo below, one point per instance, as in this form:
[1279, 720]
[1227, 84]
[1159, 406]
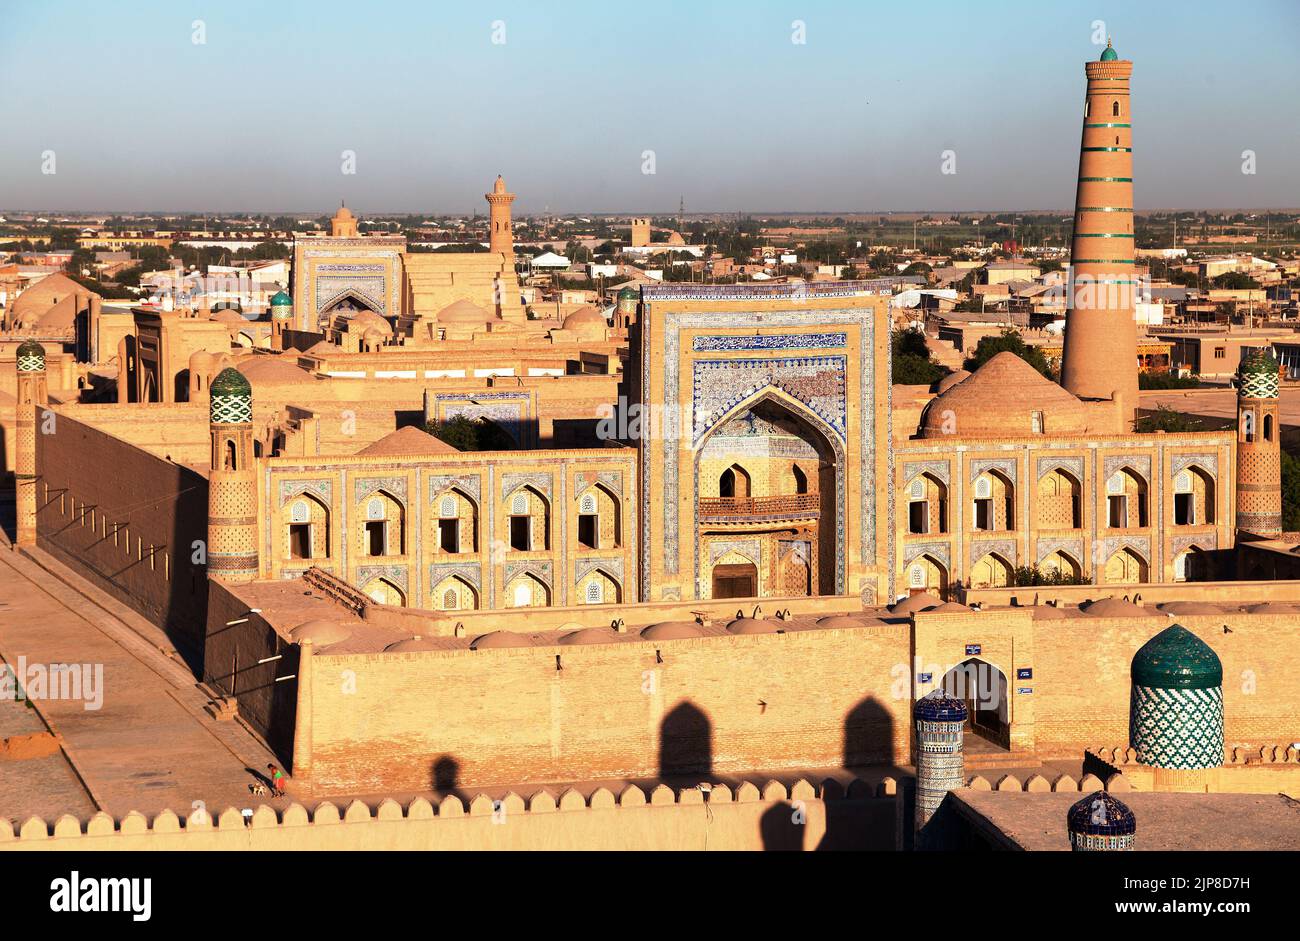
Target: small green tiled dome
[1177, 659]
[281, 299]
[31, 356]
[1109, 54]
[230, 381]
[628, 294]
[1258, 363]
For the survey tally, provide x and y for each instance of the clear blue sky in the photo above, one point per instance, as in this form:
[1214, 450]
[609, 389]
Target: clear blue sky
[739, 116]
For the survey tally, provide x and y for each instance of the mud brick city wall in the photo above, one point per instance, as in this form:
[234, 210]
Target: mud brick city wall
[243, 658]
[804, 699]
[127, 519]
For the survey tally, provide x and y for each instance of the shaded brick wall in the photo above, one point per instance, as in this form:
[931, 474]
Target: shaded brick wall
[127, 519]
[799, 700]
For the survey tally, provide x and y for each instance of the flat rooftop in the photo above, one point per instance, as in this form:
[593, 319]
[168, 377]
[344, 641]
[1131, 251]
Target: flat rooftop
[1018, 820]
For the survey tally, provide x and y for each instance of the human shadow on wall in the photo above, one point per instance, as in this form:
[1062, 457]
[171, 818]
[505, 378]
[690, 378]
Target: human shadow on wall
[782, 828]
[445, 779]
[685, 741]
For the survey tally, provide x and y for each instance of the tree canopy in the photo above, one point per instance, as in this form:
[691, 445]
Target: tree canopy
[1009, 341]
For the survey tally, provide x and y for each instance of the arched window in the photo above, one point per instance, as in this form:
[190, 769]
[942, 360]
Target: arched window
[375, 509]
[1114, 109]
[447, 507]
[594, 594]
[1268, 427]
[232, 463]
[587, 504]
[588, 522]
[519, 504]
[450, 600]
[916, 576]
[300, 512]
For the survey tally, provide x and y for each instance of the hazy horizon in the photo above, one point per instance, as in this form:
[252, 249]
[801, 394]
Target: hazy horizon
[855, 120]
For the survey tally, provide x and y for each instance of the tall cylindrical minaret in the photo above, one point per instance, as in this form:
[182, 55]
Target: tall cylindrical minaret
[1176, 709]
[232, 483]
[1101, 823]
[1259, 446]
[31, 398]
[1100, 356]
[501, 234]
[940, 763]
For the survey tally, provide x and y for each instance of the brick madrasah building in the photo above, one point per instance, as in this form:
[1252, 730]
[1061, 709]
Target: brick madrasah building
[714, 542]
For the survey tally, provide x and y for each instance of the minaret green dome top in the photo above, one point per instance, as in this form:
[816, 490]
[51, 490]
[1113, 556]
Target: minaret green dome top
[627, 294]
[281, 299]
[31, 356]
[1258, 363]
[1177, 659]
[1108, 54]
[230, 381]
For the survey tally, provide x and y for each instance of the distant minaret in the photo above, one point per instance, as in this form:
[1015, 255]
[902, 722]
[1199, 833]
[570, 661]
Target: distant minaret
[1259, 446]
[1100, 357]
[281, 318]
[501, 233]
[31, 397]
[344, 224]
[232, 483]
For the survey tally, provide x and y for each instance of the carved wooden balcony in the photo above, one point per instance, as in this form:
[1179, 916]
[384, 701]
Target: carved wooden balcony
[739, 509]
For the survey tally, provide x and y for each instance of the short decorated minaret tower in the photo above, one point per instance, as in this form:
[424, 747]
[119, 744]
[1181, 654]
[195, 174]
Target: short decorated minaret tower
[1259, 447]
[31, 399]
[344, 224]
[281, 318]
[940, 764]
[1100, 356]
[501, 234]
[232, 483]
[1176, 709]
[625, 307]
[1101, 822]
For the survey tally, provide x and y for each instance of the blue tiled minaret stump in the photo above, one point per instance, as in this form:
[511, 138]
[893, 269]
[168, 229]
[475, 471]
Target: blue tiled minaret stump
[940, 762]
[1101, 823]
[1176, 709]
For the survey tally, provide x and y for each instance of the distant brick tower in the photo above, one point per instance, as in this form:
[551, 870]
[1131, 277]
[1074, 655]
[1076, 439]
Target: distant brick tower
[344, 224]
[31, 397]
[1100, 356]
[501, 235]
[1101, 822]
[640, 232]
[940, 764]
[1259, 449]
[281, 318]
[232, 484]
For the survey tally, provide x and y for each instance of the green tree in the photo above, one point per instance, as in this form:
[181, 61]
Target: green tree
[1235, 281]
[1165, 419]
[1009, 341]
[1290, 493]
[466, 434]
[912, 365]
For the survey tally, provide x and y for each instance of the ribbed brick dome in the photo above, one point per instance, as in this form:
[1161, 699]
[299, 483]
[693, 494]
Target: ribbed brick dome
[999, 400]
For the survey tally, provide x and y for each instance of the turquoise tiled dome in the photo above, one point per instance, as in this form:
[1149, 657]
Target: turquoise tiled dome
[31, 357]
[1177, 659]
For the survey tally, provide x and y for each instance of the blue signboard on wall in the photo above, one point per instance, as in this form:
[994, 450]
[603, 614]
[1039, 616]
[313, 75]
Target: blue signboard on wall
[1024, 673]
[972, 649]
